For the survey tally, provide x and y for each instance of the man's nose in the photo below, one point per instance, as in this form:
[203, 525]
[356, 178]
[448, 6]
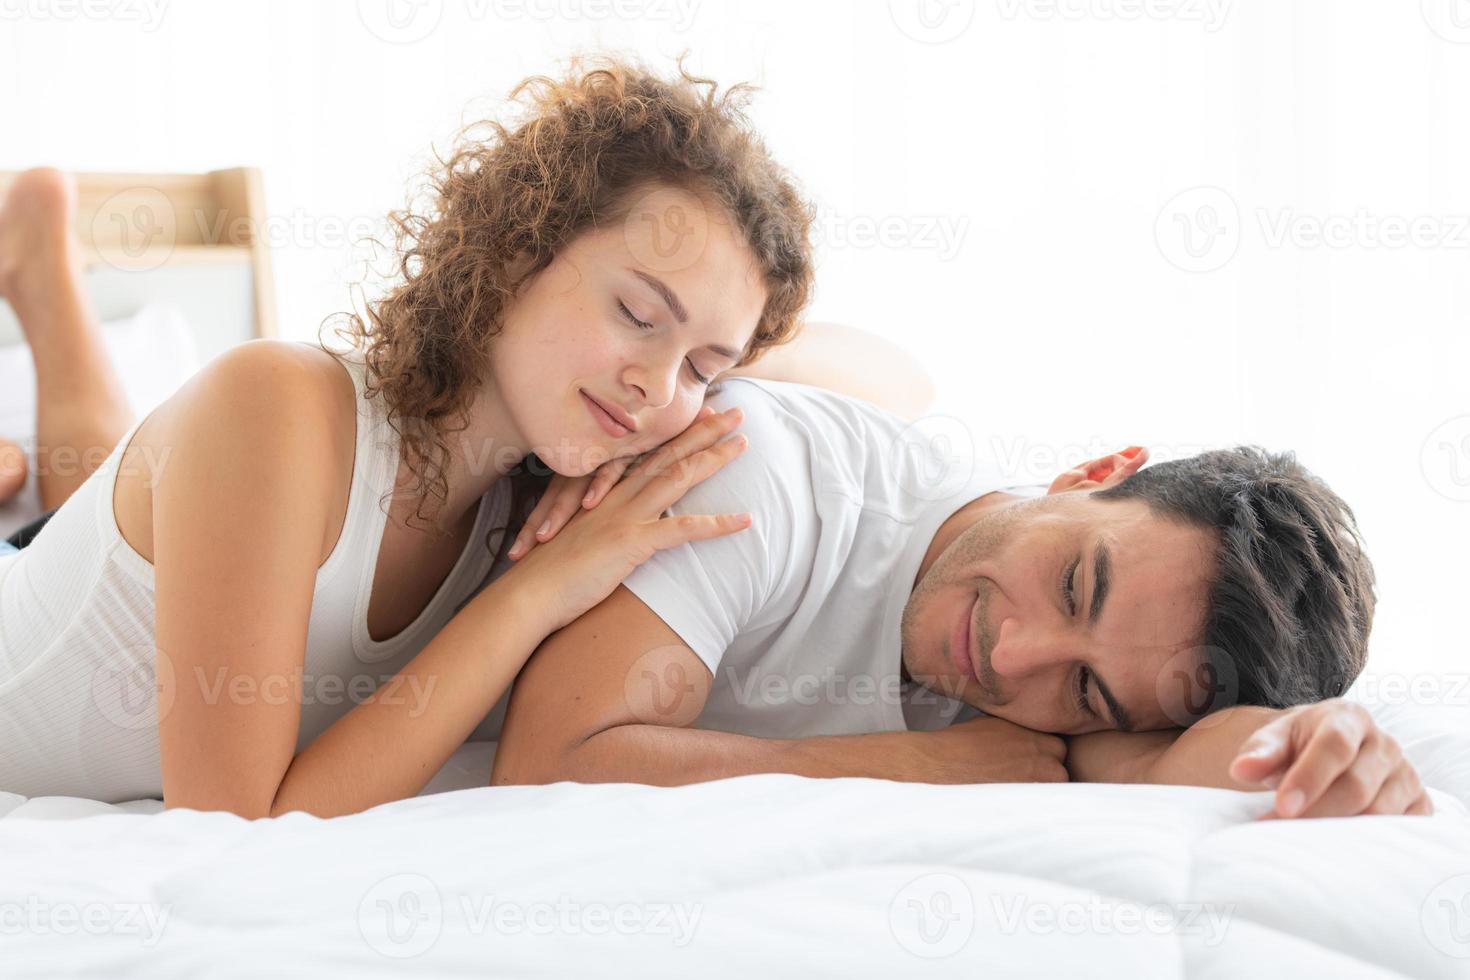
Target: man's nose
[1021, 650]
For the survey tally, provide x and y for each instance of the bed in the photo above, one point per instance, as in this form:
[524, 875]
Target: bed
[762, 875]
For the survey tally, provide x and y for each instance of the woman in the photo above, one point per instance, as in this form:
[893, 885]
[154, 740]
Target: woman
[292, 522]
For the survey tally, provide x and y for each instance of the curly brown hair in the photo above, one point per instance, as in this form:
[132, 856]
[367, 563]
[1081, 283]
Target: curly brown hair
[506, 201]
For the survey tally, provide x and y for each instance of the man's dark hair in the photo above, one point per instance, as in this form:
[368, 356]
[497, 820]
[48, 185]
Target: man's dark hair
[1291, 601]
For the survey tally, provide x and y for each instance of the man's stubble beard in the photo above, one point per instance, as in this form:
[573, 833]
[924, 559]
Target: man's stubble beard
[983, 540]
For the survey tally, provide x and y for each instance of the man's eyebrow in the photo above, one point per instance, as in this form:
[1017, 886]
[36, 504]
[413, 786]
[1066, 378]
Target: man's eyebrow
[1102, 579]
[680, 313]
[667, 294]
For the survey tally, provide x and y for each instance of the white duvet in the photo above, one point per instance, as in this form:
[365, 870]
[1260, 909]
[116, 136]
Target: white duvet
[759, 876]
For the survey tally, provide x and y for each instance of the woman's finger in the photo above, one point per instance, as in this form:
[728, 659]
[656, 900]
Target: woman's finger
[1330, 751]
[699, 436]
[607, 477]
[528, 536]
[670, 532]
[666, 489]
[567, 500]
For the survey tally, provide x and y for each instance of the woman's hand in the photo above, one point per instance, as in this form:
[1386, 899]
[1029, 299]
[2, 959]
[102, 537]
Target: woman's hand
[598, 548]
[565, 495]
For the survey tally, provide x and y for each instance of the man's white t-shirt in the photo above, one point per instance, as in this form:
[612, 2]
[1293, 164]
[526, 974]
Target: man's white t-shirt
[797, 617]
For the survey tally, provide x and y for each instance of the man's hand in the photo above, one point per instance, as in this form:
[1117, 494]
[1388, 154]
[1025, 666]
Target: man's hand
[982, 750]
[1330, 759]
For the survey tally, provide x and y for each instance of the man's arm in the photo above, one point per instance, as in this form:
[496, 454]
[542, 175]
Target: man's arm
[609, 699]
[1196, 756]
[1328, 759]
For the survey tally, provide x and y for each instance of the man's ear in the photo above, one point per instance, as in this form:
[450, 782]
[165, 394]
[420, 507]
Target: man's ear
[1101, 473]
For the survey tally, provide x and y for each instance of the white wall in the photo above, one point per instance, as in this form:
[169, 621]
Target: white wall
[1029, 165]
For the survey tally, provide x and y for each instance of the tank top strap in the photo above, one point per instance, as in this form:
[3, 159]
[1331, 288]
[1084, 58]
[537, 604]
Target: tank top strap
[374, 474]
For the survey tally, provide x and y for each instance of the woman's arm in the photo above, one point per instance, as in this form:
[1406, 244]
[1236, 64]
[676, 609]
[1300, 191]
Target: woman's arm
[242, 516]
[850, 362]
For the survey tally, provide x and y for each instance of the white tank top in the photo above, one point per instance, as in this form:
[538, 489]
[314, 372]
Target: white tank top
[78, 700]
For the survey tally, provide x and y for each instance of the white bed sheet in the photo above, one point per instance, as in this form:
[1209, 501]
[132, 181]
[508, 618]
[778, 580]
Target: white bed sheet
[763, 875]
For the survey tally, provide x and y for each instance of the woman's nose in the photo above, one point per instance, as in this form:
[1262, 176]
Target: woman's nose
[655, 383]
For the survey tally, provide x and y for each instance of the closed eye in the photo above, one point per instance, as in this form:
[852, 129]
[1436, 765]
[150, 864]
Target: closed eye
[627, 314]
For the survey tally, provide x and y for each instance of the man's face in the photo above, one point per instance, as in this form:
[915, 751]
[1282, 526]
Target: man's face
[1014, 614]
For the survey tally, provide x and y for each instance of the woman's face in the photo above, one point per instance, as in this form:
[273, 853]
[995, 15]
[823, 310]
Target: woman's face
[608, 351]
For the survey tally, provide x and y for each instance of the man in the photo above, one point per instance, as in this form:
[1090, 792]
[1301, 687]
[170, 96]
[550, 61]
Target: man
[1141, 625]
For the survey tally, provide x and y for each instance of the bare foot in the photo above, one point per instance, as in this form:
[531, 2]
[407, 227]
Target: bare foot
[39, 252]
[12, 469]
[81, 408]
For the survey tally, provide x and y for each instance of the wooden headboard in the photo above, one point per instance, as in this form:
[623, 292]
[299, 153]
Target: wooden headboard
[194, 241]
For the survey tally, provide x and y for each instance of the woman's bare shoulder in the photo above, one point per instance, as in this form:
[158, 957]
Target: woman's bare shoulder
[290, 409]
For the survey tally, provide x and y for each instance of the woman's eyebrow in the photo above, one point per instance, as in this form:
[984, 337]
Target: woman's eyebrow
[671, 299]
[667, 294]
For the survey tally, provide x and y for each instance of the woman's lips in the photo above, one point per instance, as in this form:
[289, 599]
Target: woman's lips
[959, 642]
[609, 424]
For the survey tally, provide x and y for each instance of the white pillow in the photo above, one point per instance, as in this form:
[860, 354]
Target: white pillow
[154, 353]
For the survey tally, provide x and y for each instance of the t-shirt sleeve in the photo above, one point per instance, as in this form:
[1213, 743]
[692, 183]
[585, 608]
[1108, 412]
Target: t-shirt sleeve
[711, 591]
